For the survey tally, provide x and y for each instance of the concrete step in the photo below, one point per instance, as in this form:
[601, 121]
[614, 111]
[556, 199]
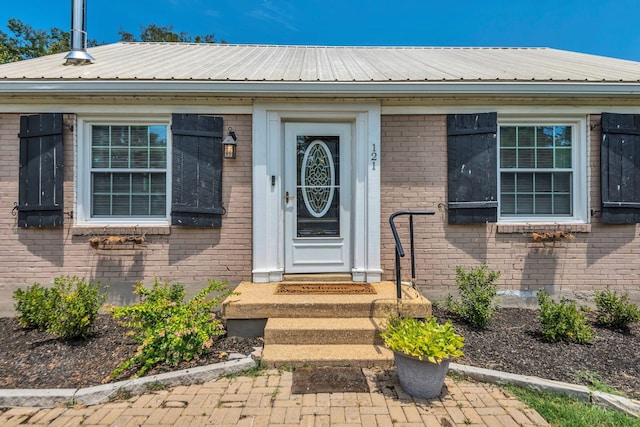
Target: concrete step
[323, 331]
[259, 301]
[362, 356]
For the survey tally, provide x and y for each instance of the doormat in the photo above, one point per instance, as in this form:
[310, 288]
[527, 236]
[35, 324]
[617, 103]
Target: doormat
[329, 380]
[335, 288]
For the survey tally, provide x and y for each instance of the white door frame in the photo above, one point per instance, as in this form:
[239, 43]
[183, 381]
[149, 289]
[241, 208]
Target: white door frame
[268, 187]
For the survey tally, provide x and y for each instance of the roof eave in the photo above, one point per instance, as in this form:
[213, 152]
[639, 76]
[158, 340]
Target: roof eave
[317, 89]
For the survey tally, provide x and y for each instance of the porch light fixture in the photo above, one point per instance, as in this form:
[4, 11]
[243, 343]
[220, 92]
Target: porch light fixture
[229, 145]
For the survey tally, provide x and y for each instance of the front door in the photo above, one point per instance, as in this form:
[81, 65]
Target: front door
[317, 197]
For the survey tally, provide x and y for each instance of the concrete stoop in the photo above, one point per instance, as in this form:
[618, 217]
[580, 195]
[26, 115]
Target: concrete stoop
[317, 329]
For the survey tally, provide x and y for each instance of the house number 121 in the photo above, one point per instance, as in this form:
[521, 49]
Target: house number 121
[374, 156]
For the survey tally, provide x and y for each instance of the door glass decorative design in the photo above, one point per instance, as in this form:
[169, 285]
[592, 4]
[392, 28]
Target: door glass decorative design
[318, 186]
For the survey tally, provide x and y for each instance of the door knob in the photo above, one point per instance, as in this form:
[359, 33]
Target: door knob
[286, 197]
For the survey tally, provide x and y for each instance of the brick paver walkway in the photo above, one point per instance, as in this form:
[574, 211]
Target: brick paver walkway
[266, 400]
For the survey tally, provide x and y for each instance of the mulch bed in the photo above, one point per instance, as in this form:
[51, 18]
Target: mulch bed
[511, 343]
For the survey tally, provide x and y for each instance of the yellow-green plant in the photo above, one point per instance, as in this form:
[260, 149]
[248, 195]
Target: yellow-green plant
[168, 328]
[424, 339]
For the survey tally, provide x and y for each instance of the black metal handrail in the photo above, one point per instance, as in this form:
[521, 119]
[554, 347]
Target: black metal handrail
[400, 251]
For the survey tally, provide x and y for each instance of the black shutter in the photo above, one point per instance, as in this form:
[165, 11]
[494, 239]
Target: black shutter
[41, 171]
[620, 168]
[472, 168]
[197, 171]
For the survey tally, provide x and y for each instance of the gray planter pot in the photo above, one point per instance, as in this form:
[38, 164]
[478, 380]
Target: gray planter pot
[420, 378]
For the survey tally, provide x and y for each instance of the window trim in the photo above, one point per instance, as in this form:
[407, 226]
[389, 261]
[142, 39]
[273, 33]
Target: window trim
[83, 169]
[580, 138]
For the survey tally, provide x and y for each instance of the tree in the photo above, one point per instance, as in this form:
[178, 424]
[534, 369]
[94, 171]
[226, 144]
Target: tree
[155, 33]
[24, 42]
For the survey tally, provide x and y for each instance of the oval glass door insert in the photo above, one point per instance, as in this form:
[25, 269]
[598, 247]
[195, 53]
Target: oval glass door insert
[318, 178]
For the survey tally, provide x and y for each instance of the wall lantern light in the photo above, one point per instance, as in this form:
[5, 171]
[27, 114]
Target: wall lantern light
[229, 145]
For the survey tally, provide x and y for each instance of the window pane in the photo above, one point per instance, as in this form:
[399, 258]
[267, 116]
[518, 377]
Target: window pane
[158, 183]
[526, 158]
[508, 182]
[524, 182]
[562, 204]
[120, 158]
[545, 158]
[544, 205]
[563, 136]
[562, 182]
[563, 158]
[120, 136]
[101, 205]
[102, 183]
[526, 136]
[508, 136]
[508, 204]
[100, 158]
[139, 136]
[158, 136]
[139, 157]
[120, 205]
[158, 205]
[158, 158]
[543, 183]
[121, 183]
[508, 158]
[544, 136]
[524, 204]
[140, 205]
[100, 136]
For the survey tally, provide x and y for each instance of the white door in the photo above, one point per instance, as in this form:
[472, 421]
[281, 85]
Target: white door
[317, 197]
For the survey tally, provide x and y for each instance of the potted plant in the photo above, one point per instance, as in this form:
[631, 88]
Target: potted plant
[422, 351]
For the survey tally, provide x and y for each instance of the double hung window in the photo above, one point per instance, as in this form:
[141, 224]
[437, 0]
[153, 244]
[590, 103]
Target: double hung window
[126, 172]
[540, 171]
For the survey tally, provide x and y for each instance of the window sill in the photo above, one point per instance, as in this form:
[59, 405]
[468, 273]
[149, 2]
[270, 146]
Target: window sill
[97, 230]
[531, 228]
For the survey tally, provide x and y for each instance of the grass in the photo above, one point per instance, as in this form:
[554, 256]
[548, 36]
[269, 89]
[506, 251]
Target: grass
[563, 411]
[595, 383]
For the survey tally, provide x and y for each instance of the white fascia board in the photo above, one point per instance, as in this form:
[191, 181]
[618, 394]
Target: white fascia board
[322, 89]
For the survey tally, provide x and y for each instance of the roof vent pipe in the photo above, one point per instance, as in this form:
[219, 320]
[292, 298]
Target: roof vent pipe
[78, 54]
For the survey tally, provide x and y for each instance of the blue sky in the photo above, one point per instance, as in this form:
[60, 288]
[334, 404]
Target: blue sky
[601, 27]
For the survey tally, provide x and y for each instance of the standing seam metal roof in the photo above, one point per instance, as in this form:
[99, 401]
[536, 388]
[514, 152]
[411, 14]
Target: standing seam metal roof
[260, 63]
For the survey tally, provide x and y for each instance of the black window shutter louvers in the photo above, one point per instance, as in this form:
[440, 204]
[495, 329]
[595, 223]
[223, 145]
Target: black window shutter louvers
[196, 171]
[41, 180]
[472, 168]
[620, 168]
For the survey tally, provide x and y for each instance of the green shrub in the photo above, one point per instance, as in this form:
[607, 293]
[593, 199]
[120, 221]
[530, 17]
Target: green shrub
[563, 320]
[478, 300]
[67, 309]
[33, 306]
[168, 328]
[615, 311]
[75, 304]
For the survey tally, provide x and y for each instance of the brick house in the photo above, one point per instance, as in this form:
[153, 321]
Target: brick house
[114, 170]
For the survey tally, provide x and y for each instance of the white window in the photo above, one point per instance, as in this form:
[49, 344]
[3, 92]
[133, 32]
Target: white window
[123, 173]
[542, 170]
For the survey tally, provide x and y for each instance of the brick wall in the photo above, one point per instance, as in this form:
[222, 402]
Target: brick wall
[414, 173]
[173, 253]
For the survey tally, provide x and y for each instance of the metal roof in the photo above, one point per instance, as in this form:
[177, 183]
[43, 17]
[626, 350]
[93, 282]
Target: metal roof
[259, 63]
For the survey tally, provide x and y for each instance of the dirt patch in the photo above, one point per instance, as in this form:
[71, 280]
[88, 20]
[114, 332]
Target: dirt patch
[329, 380]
